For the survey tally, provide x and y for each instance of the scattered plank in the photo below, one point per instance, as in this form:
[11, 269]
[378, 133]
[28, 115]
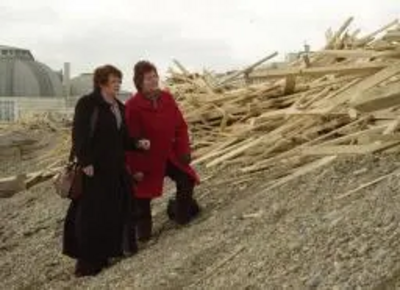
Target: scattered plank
[11, 185]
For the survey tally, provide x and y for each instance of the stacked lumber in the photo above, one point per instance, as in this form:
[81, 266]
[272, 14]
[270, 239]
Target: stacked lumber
[343, 99]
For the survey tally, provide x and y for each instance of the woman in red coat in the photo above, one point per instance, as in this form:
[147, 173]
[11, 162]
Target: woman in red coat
[154, 115]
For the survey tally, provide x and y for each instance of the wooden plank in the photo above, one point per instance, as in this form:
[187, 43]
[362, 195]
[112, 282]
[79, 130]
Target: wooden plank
[319, 71]
[357, 53]
[12, 185]
[248, 69]
[358, 90]
[295, 112]
[370, 36]
[181, 67]
[290, 84]
[219, 150]
[235, 152]
[392, 36]
[378, 98]
[392, 127]
[310, 167]
[337, 34]
[347, 149]
[295, 151]
[368, 184]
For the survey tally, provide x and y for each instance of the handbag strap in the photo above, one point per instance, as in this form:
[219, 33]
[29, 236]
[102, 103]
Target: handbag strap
[93, 122]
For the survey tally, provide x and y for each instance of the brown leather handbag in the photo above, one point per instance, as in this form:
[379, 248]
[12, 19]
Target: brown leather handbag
[69, 181]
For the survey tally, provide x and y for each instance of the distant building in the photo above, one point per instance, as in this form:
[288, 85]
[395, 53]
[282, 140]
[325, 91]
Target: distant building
[21, 75]
[81, 85]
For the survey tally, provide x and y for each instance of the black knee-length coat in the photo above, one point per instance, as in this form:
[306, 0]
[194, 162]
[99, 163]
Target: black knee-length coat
[95, 223]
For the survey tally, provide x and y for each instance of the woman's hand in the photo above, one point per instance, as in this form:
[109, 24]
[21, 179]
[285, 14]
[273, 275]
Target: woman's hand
[88, 170]
[143, 144]
[138, 176]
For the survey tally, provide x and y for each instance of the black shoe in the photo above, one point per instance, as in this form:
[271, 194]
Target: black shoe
[85, 268]
[183, 218]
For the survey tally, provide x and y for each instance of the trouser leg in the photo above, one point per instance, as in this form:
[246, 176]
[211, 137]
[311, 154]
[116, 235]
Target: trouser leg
[185, 205]
[144, 219]
[130, 238]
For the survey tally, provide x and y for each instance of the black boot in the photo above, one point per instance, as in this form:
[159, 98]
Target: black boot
[184, 208]
[183, 211]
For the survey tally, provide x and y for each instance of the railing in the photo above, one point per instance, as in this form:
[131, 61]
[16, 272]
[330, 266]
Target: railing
[13, 108]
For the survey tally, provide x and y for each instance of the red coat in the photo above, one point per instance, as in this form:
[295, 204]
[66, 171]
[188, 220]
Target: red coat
[165, 127]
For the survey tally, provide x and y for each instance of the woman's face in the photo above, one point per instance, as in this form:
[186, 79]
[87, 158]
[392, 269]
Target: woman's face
[150, 82]
[112, 87]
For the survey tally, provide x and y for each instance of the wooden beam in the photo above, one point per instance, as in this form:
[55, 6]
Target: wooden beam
[357, 53]
[357, 91]
[392, 36]
[235, 152]
[181, 67]
[338, 34]
[290, 84]
[378, 98]
[347, 149]
[368, 184]
[248, 69]
[319, 71]
[370, 36]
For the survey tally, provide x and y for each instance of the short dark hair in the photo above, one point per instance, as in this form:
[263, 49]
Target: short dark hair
[140, 69]
[102, 74]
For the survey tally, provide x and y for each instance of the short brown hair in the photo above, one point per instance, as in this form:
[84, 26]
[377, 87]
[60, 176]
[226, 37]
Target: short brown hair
[102, 74]
[139, 70]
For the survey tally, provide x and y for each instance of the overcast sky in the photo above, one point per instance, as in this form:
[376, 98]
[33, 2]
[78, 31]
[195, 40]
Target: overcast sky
[217, 34]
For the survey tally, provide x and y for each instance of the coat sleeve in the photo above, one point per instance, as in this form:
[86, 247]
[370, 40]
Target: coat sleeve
[81, 133]
[182, 142]
[130, 143]
[132, 121]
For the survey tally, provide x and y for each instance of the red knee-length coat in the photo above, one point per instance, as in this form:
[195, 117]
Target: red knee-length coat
[162, 123]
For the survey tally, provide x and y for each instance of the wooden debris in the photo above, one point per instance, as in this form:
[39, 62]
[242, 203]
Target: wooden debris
[248, 69]
[368, 184]
[320, 71]
[378, 98]
[343, 101]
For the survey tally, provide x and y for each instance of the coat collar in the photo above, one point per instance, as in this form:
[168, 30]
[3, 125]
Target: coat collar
[144, 102]
[98, 98]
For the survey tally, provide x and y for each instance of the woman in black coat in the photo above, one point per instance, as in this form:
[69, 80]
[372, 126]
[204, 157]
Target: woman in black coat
[97, 221]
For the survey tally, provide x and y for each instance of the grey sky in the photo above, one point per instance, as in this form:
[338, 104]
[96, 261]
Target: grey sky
[219, 34]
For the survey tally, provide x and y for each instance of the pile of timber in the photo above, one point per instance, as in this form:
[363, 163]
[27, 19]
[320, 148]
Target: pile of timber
[343, 99]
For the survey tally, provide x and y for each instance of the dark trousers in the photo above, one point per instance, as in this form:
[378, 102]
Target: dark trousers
[184, 195]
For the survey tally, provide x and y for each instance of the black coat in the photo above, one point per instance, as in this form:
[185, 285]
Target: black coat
[95, 223]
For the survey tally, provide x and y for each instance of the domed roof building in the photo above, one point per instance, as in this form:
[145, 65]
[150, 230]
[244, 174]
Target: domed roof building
[81, 85]
[21, 75]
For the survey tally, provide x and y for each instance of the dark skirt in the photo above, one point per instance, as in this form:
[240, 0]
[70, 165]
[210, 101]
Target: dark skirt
[96, 223]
